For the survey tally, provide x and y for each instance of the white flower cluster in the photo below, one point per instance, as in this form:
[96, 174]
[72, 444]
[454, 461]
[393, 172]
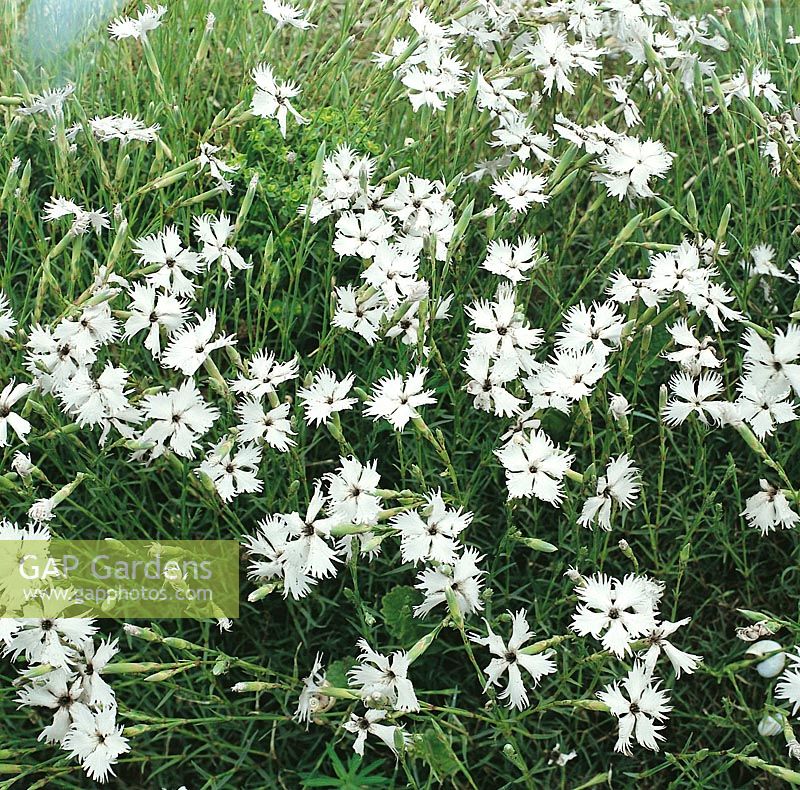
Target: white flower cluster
[402, 232]
[389, 231]
[65, 665]
[621, 614]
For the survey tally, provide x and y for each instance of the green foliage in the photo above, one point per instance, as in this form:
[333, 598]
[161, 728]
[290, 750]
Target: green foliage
[284, 166]
[398, 616]
[355, 775]
[438, 754]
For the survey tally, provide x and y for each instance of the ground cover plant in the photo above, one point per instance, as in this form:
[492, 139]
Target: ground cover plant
[475, 323]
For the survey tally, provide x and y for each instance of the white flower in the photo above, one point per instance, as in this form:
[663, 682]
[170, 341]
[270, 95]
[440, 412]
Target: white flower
[713, 301]
[309, 552]
[692, 396]
[311, 700]
[128, 27]
[191, 345]
[658, 642]
[408, 327]
[417, 202]
[326, 396]
[630, 164]
[384, 678]
[93, 328]
[434, 538]
[488, 379]
[344, 171]
[788, 685]
[569, 375]
[513, 261]
[614, 611]
[360, 315]
[620, 484]
[517, 135]
[712, 250]
[232, 473]
[271, 426]
[70, 134]
[351, 490]
[90, 665]
[439, 78]
[394, 272]
[123, 128]
[286, 14]
[267, 551]
[360, 234]
[59, 692]
[779, 363]
[624, 290]
[217, 168]
[555, 57]
[763, 257]
[628, 12]
[423, 88]
[510, 659]
[263, 373]
[775, 660]
[695, 354]
[166, 249]
[769, 509]
[48, 639]
[396, 398]
[180, 417]
[102, 401]
[619, 91]
[273, 99]
[520, 189]
[153, 311]
[638, 710]
[496, 95]
[428, 29]
[679, 269]
[597, 328]
[765, 407]
[58, 207]
[750, 633]
[523, 423]
[53, 357]
[49, 102]
[369, 724]
[502, 330]
[770, 725]
[96, 740]
[7, 320]
[535, 467]
[595, 139]
[12, 393]
[41, 511]
[214, 232]
[462, 578]
[757, 84]
[557, 757]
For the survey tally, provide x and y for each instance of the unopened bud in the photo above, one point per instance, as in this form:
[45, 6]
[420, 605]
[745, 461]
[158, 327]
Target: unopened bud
[22, 465]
